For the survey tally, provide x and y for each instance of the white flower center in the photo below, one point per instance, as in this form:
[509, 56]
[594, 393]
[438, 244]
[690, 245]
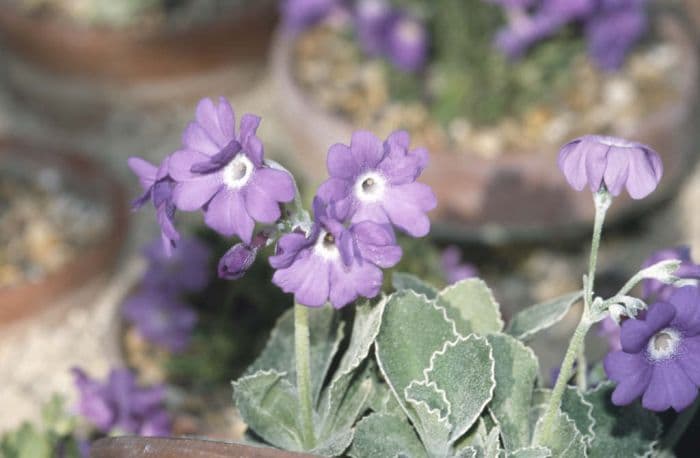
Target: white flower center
[238, 172]
[663, 344]
[370, 187]
[325, 246]
[614, 141]
[409, 32]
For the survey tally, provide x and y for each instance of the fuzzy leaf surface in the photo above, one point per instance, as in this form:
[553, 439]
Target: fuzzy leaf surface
[385, 436]
[620, 431]
[269, 405]
[516, 370]
[565, 440]
[471, 305]
[403, 281]
[325, 334]
[538, 317]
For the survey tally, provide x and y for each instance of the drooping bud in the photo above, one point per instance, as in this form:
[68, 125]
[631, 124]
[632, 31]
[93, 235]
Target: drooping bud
[236, 262]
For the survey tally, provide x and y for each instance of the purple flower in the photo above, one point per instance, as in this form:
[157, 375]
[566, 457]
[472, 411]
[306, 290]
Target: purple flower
[613, 162]
[372, 19]
[185, 271]
[611, 331]
[522, 33]
[158, 187]
[613, 32]
[452, 267]
[656, 290]
[120, 406]
[407, 43]
[513, 3]
[225, 174]
[300, 14]
[660, 356]
[161, 319]
[333, 262]
[375, 181]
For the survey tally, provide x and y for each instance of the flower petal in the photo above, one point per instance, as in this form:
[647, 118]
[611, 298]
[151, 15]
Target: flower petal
[669, 386]
[572, 163]
[193, 194]
[367, 149]
[406, 206]
[617, 170]
[260, 205]
[144, 170]
[196, 138]
[181, 162]
[307, 277]
[208, 118]
[376, 244]
[340, 162]
[689, 358]
[644, 173]
[686, 300]
[631, 371]
[227, 119]
[596, 161]
[227, 215]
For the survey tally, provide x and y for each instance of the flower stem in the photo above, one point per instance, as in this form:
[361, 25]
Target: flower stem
[581, 367]
[679, 426]
[576, 349]
[303, 367]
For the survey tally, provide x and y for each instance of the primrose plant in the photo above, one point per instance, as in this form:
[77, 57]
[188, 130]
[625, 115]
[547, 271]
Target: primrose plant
[417, 371]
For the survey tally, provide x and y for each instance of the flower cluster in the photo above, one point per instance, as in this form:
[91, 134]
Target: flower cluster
[372, 187]
[382, 30]
[611, 27]
[338, 256]
[157, 308]
[120, 406]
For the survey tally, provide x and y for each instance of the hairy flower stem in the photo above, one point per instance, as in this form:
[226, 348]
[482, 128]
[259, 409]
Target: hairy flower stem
[303, 367]
[576, 348]
[581, 367]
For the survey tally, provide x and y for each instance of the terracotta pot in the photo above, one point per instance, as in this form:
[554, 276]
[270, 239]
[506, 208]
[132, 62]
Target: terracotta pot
[140, 54]
[28, 298]
[76, 76]
[517, 197]
[133, 447]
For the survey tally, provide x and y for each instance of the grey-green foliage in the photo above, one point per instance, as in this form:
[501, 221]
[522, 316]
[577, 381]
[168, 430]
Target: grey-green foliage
[44, 440]
[445, 381]
[266, 395]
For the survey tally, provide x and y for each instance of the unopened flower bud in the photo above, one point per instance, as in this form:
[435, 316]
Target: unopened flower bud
[236, 262]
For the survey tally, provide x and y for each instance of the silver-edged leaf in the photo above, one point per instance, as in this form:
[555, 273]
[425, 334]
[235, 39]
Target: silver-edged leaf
[403, 281]
[381, 435]
[538, 317]
[471, 305]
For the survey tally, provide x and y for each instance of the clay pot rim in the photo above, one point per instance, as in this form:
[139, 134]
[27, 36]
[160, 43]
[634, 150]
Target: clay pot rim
[500, 234]
[127, 55]
[30, 297]
[171, 447]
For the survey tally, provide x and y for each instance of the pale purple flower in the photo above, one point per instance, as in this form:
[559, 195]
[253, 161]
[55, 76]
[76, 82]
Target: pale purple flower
[522, 33]
[513, 3]
[225, 174]
[157, 186]
[406, 43]
[334, 263]
[161, 319]
[453, 268]
[655, 290]
[187, 270]
[615, 163]
[120, 406]
[613, 32]
[660, 356]
[372, 19]
[375, 181]
[300, 14]
[611, 332]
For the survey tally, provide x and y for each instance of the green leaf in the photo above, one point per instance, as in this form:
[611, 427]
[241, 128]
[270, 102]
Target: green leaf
[348, 392]
[269, 405]
[325, 334]
[493, 444]
[475, 437]
[516, 370]
[565, 440]
[541, 316]
[412, 329]
[403, 281]
[464, 370]
[620, 431]
[432, 410]
[385, 436]
[531, 452]
[580, 411]
[470, 303]
[335, 445]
